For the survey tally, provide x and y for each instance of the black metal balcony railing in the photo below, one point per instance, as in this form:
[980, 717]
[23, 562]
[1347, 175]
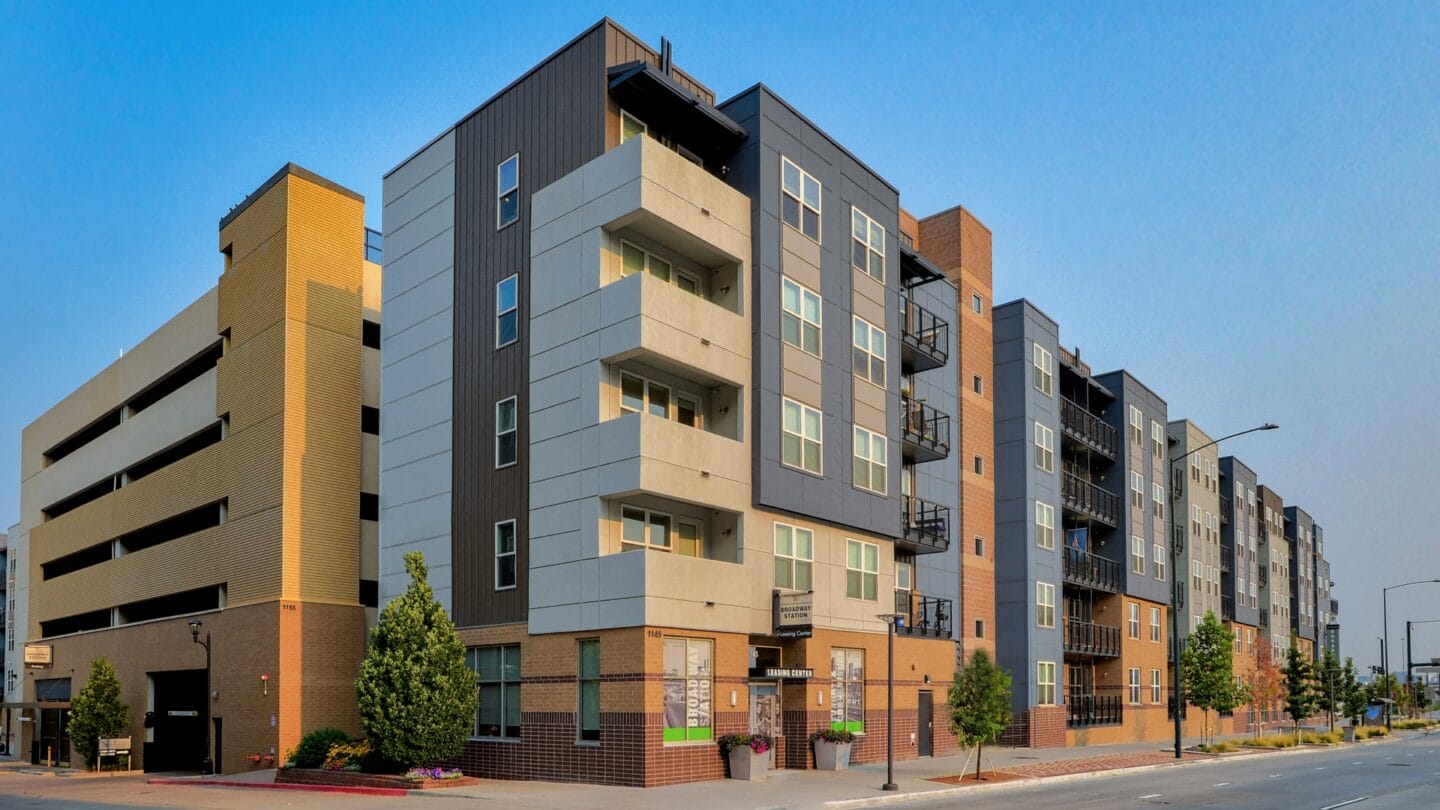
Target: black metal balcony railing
[1224, 563]
[1264, 578]
[924, 431]
[922, 615]
[1334, 607]
[1088, 638]
[1227, 608]
[1088, 499]
[924, 338]
[1224, 509]
[1089, 571]
[1085, 709]
[1087, 428]
[925, 526]
[1264, 620]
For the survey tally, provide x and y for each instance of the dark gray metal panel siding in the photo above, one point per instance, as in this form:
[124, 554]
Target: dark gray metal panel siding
[1130, 391]
[1302, 560]
[555, 120]
[1234, 473]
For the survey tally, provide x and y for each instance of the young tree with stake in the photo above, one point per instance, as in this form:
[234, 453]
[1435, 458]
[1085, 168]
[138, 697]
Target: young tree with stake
[1209, 670]
[980, 704]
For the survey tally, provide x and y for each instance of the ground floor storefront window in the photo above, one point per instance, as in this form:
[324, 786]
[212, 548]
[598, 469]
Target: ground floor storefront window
[689, 685]
[847, 689]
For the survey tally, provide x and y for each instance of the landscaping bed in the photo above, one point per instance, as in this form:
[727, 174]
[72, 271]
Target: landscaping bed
[320, 776]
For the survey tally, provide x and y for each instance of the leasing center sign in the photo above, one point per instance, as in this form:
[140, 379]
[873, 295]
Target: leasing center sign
[792, 614]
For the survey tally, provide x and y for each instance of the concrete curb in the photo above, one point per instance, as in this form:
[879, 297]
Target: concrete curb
[362, 791]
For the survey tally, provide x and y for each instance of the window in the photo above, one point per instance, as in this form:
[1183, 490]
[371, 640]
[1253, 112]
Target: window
[506, 447]
[1137, 554]
[507, 312]
[497, 670]
[1045, 683]
[977, 384]
[689, 679]
[1044, 604]
[867, 244]
[1197, 575]
[800, 442]
[1155, 624]
[687, 411]
[1155, 686]
[1043, 373]
[794, 553]
[979, 547]
[870, 470]
[799, 317]
[800, 200]
[978, 465]
[630, 126]
[1157, 440]
[979, 628]
[1158, 557]
[862, 570]
[1134, 620]
[1137, 490]
[1044, 525]
[507, 191]
[644, 529]
[847, 690]
[904, 576]
[589, 697]
[1134, 686]
[1196, 520]
[976, 304]
[1195, 469]
[504, 555]
[1157, 501]
[868, 344]
[638, 395]
[1044, 448]
[1137, 434]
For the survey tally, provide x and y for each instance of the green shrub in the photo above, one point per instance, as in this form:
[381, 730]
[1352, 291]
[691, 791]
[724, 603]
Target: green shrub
[1411, 725]
[1366, 732]
[1321, 738]
[1273, 741]
[1223, 747]
[312, 749]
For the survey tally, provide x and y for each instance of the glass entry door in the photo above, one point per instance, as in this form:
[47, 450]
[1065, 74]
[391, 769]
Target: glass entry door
[765, 712]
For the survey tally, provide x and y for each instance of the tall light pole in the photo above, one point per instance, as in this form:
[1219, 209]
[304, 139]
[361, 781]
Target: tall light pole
[1409, 643]
[890, 620]
[1385, 640]
[207, 765]
[1178, 579]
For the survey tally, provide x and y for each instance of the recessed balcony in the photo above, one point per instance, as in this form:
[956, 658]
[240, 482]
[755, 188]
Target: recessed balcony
[1086, 570]
[1087, 499]
[641, 453]
[928, 616]
[1087, 428]
[925, 526]
[924, 432]
[1089, 639]
[1087, 709]
[924, 338]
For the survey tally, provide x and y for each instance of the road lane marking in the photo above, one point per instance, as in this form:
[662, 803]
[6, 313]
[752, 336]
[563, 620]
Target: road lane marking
[1220, 784]
[1151, 796]
[1342, 804]
[1274, 776]
[1321, 768]
[1356, 763]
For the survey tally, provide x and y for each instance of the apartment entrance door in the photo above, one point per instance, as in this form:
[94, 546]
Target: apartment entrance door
[765, 711]
[926, 739]
[177, 722]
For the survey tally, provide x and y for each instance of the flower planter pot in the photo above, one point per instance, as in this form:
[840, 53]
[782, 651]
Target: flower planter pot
[832, 756]
[1349, 734]
[746, 765]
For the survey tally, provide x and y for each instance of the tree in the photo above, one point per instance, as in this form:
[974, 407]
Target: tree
[96, 712]
[1208, 668]
[1327, 683]
[1300, 697]
[1352, 693]
[1268, 684]
[417, 697]
[980, 704]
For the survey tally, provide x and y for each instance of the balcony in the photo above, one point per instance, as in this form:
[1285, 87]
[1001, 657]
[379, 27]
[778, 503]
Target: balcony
[642, 453]
[924, 432]
[1073, 360]
[1227, 608]
[1264, 578]
[1334, 608]
[926, 526]
[1224, 509]
[1225, 561]
[1086, 570]
[1087, 709]
[924, 338]
[1087, 499]
[927, 616]
[1087, 428]
[1088, 638]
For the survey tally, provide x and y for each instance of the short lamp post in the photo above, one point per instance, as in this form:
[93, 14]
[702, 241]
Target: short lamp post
[207, 765]
[1385, 640]
[890, 619]
[1178, 579]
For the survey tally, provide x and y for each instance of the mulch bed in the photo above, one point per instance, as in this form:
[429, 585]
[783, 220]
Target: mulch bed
[1082, 765]
[306, 776]
[987, 778]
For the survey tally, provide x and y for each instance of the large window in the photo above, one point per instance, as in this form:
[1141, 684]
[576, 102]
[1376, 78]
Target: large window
[497, 670]
[800, 200]
[1137, 490]
[589, 682]
[504, 555]
[799, 317]
[1045, 683]
[1133, 625]
[847, 689]
[1044, 525]
[868, 352]
[507, 448]
[794, 555]
[800, 442]
[1155, 624]
[1157, 440]
[1137, 433]
[1137, 554]
[689, 681]
[1044, 448]
[507, 192]
[867, 244]
[1157, 501]
[643, 529]
[1134, 686]
[870, 469]
[638, 394]
[507, 311]
[1044, 366]
[1044, 604]
[634, 259]
[862, 570]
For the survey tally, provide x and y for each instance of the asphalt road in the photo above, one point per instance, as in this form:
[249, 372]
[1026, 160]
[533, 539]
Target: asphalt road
[1401, 774]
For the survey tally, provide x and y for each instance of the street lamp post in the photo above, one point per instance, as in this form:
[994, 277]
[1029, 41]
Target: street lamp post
[1385, 639]
[207, 765]
[890, 620]
[1409, 643]
[1177, 581]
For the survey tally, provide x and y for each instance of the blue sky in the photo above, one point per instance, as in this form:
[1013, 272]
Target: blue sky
[1240, 204]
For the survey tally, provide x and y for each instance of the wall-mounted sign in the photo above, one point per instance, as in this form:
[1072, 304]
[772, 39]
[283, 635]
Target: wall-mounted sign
[183, 713]
[39, 656]
[782, 673]
[792, 614]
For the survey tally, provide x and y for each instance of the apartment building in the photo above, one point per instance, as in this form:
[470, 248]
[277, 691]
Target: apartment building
[1240, 567]
[1299, 536]
[669, 407]
[1274, 561]
[216, 484]
[1327, 607]
[1196, 489]
[17, 609]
